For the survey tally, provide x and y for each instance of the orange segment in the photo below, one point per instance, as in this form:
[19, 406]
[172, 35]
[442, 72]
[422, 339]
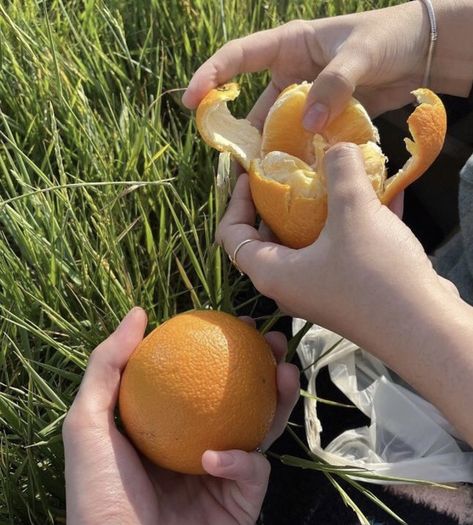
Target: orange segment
[352, 125]
[283, 129]
[221, 130]
[375, 165]
[427, 125]
[295, 173]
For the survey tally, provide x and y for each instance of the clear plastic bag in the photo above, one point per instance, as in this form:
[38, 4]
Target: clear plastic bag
[407, 436]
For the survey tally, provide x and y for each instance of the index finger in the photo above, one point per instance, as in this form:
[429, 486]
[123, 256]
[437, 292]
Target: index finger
[263, 262]
[244, 55]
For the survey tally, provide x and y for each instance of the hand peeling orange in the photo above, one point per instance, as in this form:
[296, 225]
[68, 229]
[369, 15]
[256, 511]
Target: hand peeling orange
[285, 162]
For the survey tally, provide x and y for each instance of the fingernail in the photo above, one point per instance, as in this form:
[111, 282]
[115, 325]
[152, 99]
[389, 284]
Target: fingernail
[184, 97]
[129, 315]
[316, 117]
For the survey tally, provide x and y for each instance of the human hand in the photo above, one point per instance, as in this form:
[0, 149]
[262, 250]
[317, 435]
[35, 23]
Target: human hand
[109, 482]
[363, 276]
[378, 55]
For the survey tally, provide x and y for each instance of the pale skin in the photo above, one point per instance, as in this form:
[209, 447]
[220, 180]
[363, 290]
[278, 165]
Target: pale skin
[109, 482]
[366, 277]
[379, 56]
[369, 278]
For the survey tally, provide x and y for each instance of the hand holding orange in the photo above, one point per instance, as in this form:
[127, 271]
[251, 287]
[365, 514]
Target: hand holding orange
[285, 162]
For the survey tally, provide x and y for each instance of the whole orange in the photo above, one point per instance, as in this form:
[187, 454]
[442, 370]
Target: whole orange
[201, 380]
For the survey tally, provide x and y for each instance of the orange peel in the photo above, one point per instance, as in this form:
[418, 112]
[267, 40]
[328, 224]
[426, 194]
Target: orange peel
[285, 162]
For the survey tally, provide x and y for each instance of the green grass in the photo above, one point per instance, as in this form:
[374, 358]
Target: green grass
[107, 200]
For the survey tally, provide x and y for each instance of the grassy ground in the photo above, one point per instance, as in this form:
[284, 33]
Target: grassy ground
[107, 199]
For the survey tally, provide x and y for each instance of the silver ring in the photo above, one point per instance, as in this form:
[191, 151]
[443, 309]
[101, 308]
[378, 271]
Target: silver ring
[259, 450]
[235, 253]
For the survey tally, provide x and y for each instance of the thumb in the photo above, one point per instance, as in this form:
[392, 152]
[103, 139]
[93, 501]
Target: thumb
[245, 467]
[99, 388]
[349, 188]
[333, 88]
[249, 470]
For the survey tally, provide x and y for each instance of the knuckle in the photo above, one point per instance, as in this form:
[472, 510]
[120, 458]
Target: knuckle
[337, 79]
[346, 195]
[82, 420]
[230, 47]
[294, 25]
[95, 357]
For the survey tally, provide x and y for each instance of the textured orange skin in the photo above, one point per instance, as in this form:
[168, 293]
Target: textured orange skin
[428, 125]
[296, 225]
[202, 380]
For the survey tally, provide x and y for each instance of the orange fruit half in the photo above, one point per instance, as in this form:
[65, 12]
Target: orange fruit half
[201, 380]
[285, 162]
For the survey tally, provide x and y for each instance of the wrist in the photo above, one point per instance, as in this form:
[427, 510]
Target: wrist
[452, 65]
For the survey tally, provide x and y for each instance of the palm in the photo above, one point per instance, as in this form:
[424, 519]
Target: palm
[108, 482]
[173, 497]
[200, 499]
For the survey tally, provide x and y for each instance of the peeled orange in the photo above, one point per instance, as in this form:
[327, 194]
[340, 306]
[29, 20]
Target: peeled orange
[285, 162]
[201, 380]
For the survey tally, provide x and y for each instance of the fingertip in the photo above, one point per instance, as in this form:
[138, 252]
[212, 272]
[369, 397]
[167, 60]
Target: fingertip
[217, 462]
[342, 157]
[138, 313]
[210, 461]
[341, 149]
[198, 87]
[243, 182]
[278, 343]
[248, 320]
[250, 468]
[189, 99]
[333, 88]
[288, 377]
[135, 319]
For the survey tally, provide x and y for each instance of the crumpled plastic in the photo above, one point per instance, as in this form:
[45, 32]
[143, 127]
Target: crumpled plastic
[407, 436]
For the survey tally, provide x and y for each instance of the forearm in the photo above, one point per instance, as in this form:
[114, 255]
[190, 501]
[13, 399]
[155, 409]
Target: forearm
[452, 66]
[430, 345]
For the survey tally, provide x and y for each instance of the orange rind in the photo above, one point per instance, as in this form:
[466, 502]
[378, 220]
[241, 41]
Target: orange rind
[285, 162]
